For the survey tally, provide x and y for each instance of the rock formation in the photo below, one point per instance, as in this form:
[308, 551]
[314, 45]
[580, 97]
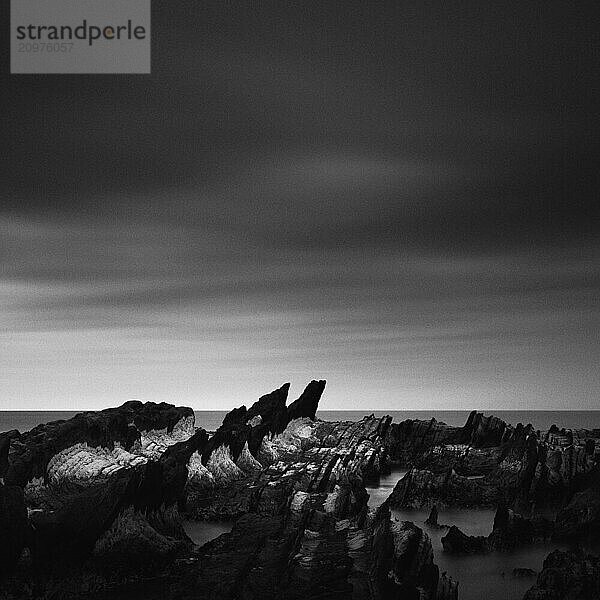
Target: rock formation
[14, 528]
[99, 498]
[567, 576]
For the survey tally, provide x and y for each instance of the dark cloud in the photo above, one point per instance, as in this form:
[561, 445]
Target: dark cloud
[398, 198]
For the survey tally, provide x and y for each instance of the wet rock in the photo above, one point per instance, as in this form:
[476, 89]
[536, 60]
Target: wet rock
[5, 440]
[447, 588]
[133, 545]
[511, 530]
[456, 542]
[413, 565]
[14, 528]
[423, 489]
[244, 426]
[567, 576]
[432, 519]
[410, 439]
[580, 517]
[31, 452]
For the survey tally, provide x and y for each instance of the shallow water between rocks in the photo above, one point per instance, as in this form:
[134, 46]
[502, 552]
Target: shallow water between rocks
[202, 532]
[487, 576]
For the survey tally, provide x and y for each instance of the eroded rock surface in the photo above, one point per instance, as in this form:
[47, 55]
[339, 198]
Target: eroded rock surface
[567, 576]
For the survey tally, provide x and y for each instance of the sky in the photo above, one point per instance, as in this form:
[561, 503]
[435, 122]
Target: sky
[397, 197]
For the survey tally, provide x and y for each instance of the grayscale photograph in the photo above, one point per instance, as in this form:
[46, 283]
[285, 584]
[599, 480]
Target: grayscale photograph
[299, 300]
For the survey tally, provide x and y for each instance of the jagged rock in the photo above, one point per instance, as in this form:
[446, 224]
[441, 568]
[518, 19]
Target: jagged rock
[512, 530]
[413, 565]
[567, 576]
[269, 416]
[66, 536]
[581, 515]
[198, 475]
[308, 402]
[222, 467]
[422, 489]
[447, 588]
[31, 452]
[267, 453]
[14, 527]
[432, 519]
[410, 439]
[132, 545]
[81, 464]
[483, 432]
[236, 431]
[5, 440]
[456, 542]
[298, 435]
[246, 462]
[303, 526]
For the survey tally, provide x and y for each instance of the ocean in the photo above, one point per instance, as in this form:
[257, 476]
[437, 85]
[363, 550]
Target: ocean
[212, 419]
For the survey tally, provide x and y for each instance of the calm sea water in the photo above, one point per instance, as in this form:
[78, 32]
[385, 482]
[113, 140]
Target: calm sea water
[212, 419]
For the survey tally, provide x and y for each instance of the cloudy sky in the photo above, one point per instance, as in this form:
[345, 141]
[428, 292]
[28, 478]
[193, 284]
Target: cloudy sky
[397, 198]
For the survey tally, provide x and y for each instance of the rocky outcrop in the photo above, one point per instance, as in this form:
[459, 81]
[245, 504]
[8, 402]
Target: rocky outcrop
[510, 531]
[488, 462]
[567, 576]
[483, 432]
[423, 489]
[405, 442]
[30, 453]
[580, 517]
[306, 531]
[456, 542]
[134, 543]
[14, 528]
[308, 402]
[267, 417]
[78, 477]
[413, 567]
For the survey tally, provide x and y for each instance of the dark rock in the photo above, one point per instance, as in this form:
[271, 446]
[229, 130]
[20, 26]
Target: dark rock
[31, 452]
[5, 440]
[163, 482]
[413, 565]
[133, 546]
[512, 530]
[567, 576]
[447, 588]
[410, 439]
[581, 515]
[456, 542]
[14, 528]
[422, 489]
[482, 432]
[66, 536]
[267, 416]
[308, 402]
[238, 428]
[432, 519]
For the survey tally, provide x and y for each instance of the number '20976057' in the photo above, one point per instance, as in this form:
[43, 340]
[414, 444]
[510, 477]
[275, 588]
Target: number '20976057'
[45, 47]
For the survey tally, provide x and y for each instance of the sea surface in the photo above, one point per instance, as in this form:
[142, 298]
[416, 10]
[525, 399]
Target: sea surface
[212, 419]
